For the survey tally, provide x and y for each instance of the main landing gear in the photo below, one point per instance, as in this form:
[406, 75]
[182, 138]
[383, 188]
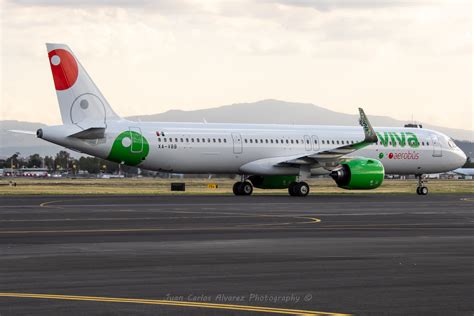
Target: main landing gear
[242, 188]
[298, 189]
[421, 189]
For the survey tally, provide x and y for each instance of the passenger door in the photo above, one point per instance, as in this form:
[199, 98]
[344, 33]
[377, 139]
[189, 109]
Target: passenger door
[437, 149]
[237, 141]
[137, 139]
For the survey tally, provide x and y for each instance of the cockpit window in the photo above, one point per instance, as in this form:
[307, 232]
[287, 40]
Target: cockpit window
[452, 144]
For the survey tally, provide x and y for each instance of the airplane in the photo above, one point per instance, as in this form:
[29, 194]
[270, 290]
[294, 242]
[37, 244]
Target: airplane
[464, 171]
[266, 156]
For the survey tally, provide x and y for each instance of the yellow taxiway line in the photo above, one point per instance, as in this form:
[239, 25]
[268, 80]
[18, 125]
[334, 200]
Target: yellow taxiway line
[246, 308]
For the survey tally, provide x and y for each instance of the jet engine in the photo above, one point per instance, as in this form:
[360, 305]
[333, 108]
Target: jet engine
[359, 174]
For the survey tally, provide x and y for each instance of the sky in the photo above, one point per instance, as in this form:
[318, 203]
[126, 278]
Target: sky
[404, 59]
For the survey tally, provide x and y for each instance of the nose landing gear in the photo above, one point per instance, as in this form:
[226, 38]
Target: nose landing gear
[421, 188]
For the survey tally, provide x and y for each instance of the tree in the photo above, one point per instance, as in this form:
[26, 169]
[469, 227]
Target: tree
[34, 161]
[49, 163]
[14, 161]
[89, 164]
[62, 160]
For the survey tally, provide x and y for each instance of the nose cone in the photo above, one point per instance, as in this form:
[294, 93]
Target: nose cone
[460, 158]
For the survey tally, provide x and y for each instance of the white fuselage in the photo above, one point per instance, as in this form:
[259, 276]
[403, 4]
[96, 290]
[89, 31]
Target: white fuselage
[229, 148]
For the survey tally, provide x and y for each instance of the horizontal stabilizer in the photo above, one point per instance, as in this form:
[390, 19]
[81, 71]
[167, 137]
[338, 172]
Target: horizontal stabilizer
[90, 133]
[22, 132]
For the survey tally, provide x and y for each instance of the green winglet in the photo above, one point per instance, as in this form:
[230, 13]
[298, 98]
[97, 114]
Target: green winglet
[370, 136]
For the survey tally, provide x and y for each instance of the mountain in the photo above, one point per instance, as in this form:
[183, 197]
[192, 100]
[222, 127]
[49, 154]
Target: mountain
[265, 111]
[281, 112]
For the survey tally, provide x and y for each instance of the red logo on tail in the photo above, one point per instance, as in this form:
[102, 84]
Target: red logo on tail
[64, 68]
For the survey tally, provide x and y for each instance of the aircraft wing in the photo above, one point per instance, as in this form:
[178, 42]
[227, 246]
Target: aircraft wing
[327, 159]
[335, 155]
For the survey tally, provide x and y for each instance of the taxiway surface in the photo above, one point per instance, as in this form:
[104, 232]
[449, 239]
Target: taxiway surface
[355, 253]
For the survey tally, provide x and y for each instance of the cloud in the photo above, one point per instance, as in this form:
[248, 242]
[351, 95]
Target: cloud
[329, 5]
[148, 56]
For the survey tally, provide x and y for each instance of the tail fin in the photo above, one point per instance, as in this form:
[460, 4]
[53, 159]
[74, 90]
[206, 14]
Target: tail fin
[80, 101]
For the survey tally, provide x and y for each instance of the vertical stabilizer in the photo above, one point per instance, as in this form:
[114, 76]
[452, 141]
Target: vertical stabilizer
[80, 101]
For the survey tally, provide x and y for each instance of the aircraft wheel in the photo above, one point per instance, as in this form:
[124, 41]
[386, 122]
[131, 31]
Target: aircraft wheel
[245, 188]
[423, 191]
[235, 188]
[302, 189]
[291, 189]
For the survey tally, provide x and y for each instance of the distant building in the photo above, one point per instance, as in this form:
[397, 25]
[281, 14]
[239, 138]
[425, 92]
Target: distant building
[24, 172]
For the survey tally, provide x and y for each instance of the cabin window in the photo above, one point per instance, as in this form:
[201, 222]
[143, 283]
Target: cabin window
[225, 140]
[245, 140]
[197, 139]
[307, 141]
[422, 143]
[187, 140]
[219, 140]
[297, 141]
[251, 141]
[261, 141]
[159, 140]
[164, 139]
[266, 140]
[214, 140]
[315, 141]
[287, 141]
[192, 140]
[181, 140]
[427, 144]
[271, 141]
[208, 140]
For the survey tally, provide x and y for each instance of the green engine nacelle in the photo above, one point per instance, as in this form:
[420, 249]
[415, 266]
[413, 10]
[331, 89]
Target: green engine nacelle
[359, 174]
[271, 182]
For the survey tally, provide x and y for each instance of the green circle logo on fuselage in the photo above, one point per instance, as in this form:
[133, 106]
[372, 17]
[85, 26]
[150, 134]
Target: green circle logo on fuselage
[129, 147]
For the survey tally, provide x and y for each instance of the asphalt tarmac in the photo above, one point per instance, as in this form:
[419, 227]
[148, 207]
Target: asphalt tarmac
[223, 255]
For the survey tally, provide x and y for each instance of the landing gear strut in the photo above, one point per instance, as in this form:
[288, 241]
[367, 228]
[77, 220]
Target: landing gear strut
[242, 188]
[298, 189]
[421, 188]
